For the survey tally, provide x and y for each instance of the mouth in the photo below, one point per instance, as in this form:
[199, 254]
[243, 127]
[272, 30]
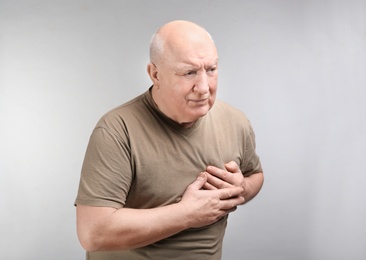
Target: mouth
[199, 102]
[202, 100]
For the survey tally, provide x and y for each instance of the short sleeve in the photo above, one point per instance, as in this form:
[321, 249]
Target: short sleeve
[251, 162]
[106, 172]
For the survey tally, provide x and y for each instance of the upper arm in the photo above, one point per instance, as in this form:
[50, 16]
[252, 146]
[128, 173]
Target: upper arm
[104, 184]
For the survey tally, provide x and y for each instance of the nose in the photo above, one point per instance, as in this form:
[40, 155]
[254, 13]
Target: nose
[201, 86]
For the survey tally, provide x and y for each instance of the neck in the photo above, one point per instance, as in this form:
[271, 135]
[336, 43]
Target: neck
[156, 100]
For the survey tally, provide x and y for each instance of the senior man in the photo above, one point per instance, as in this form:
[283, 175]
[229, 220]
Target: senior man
[163, 171]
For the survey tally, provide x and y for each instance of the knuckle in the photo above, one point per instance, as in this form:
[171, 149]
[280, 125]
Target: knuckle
[229, 194]
[224, 175]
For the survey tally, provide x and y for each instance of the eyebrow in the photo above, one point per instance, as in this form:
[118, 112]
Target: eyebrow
[189, 66]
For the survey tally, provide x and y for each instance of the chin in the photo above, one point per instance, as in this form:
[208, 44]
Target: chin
[200, 113]
[192, 113]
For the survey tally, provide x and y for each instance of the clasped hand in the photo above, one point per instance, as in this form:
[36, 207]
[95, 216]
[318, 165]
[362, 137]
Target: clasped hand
[214, 194]
[219, 178]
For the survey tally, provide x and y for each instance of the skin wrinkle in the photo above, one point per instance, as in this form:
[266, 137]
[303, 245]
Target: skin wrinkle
[185, 80]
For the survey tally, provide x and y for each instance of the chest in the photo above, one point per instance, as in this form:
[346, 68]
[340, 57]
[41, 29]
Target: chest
[165, 162]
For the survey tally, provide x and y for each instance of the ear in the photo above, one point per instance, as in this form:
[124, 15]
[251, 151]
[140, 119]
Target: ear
[153, 73]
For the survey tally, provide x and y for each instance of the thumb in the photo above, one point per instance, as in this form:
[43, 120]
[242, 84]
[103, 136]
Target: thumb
[232, 167]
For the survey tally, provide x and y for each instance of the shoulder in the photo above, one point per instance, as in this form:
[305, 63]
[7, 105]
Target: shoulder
[125, 108]
[117, 120]
[123, 111]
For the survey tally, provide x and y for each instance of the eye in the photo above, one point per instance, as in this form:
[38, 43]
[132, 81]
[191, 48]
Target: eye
[191, 72]
[211, 70]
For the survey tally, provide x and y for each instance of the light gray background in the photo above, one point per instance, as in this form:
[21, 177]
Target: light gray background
[296, 68]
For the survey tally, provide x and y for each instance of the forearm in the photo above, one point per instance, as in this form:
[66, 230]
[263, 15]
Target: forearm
[130, 228]
[252, 185]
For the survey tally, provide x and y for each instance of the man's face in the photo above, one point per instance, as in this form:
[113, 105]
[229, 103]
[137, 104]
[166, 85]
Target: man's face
[188, 82]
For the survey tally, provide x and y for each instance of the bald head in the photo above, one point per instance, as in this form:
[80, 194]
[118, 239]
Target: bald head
[184, 71]
[177, 36]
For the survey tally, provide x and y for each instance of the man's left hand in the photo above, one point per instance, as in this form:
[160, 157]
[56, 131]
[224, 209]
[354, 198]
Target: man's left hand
[220, 178]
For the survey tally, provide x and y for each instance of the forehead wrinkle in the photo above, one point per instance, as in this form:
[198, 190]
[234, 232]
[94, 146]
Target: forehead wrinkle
[197, 65]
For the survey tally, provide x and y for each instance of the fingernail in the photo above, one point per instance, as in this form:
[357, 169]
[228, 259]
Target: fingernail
[201, 175]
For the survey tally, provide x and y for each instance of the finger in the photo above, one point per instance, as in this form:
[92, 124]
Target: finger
[228, 193]
[209, 186]
[232, 167]
[199, 182]
[232, 203]
[219, 173]
[231, 210]
[217, 182]
[227, 211]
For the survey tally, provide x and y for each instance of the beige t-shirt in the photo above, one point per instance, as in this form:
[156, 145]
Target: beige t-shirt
[139, 158]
